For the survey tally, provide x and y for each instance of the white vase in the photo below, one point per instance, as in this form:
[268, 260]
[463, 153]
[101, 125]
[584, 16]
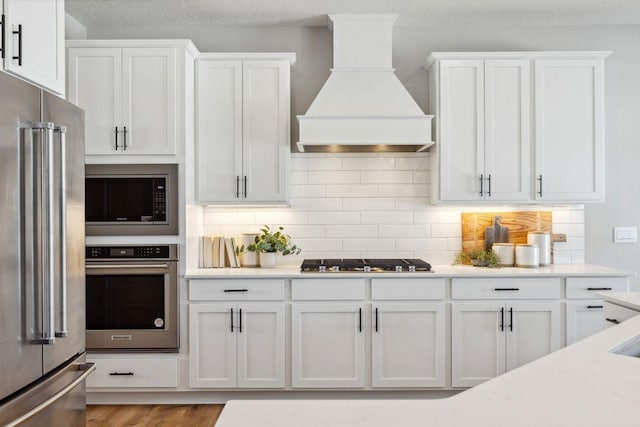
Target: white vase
[248, 259]
[268, 259]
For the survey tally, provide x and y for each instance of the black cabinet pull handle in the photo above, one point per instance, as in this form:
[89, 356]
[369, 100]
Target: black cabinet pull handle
[245, 186]
[2, 36]
[232, 320]
[121, 374]
[481, 185]
[237, 186]
[540, 180]
[376, 319]
[599, 289]
[359, 320]
[614, 321]
[489, 190]
[116, 138]
[511, 319]
[236, 290]
[125, 138]
[595, 306]
[240, 321]
[506, 289]
[502, 319]
[19, 33]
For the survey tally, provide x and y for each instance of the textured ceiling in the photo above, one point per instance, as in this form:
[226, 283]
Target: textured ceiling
[205, 13]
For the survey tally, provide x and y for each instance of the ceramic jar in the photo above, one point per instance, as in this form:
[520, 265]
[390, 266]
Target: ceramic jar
[506, 253]
[543, 240]
[527, 256]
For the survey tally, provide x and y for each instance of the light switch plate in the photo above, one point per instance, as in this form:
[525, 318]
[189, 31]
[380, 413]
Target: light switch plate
[625, 234]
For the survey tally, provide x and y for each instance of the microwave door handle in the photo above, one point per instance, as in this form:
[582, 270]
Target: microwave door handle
[118, 266]
[61, 131]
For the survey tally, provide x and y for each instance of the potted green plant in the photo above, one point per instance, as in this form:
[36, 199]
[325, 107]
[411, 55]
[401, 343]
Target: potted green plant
[478, 258]
[269, 243]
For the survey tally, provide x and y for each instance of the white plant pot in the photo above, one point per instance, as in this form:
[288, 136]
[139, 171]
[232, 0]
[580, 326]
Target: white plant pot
[268, 259]
[248, 259]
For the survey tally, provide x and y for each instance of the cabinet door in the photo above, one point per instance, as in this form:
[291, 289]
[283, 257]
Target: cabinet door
[533, 331]
[265, 130]
[218, 130]
[212, 345]
[408, 345]
[461, 129]
[40, 44]
[95, 85]
[507, 150]
[149, 108]
[261, 351]
[327, 344]
[569, 111]
[584, 318]
[477, 342]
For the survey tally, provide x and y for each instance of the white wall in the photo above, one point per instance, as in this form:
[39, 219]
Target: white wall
[412, 46]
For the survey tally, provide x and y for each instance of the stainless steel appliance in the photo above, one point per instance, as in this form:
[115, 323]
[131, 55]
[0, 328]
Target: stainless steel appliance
[365, 265]
[132, 298]
[42, 289]
[131, 199]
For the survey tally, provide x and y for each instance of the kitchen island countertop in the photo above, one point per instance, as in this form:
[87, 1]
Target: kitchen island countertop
[626, 299]
[583, 384]
[293, 271]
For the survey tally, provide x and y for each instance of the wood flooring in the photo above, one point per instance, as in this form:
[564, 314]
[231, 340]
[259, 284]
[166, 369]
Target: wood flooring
[152, 415]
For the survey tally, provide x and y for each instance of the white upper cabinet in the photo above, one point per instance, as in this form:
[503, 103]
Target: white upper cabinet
[242, 130]
[517, 126]
[34, 42]
[569, 108]
[130, 93]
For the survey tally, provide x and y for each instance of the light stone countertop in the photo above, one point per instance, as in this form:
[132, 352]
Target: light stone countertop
[626, 299]
[580, 385]
[293, 271]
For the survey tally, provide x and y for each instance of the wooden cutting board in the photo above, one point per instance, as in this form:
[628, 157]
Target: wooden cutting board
[519, 224]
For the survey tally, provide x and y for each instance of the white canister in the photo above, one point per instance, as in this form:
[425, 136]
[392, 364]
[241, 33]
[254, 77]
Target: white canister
[505, 252]
[527, 256]
[248, 259]
[543, 240]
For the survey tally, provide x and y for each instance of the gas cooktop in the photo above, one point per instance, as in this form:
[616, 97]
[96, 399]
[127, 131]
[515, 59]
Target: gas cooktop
[400, 265]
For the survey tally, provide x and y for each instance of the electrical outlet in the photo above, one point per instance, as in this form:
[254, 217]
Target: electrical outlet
[625, 234]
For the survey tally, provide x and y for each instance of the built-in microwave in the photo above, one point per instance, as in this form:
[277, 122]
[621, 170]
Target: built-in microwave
[131, 199]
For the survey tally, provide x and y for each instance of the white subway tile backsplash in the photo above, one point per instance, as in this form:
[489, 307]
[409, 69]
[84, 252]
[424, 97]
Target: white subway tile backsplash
[334, 177]
[375, 205]
[346, 231]
[387, 217]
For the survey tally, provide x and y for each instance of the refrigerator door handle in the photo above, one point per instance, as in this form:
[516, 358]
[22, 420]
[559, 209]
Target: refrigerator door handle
[39, 228]
[61, 131]
[84, 368]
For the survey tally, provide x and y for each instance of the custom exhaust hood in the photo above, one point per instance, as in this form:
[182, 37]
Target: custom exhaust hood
[363, 107]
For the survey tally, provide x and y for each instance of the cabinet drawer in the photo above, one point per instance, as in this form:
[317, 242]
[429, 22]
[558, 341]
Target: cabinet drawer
[507, 288]
[407, 289]
[614, 314]
[327, 289]
[134, 373]
[587, 287]
[236, 290]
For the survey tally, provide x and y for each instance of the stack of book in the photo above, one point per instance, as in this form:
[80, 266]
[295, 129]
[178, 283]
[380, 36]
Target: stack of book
[218, 252]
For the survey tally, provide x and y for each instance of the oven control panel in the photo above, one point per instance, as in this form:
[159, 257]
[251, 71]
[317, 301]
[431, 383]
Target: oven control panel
[133, 252]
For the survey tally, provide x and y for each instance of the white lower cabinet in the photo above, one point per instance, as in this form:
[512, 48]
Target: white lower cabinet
[490, 338]
[408, 344]
[327, 345]
[584, 318]
[132, 371]
[236, 345]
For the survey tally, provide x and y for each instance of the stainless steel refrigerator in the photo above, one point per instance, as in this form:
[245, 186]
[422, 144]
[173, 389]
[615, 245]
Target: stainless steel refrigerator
[42, 278]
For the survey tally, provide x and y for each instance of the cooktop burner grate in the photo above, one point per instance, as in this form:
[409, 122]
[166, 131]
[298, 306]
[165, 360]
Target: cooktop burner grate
[400, 265]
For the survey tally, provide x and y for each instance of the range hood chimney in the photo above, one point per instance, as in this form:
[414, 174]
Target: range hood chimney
[363, 106]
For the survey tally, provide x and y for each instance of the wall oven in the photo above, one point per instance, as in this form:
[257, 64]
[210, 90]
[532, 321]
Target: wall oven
[131, 199]
[132, 298]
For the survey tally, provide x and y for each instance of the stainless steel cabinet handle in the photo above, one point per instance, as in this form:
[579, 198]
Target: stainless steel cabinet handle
[481, 185]
[61, 131]
[540, 180]
[19, 33]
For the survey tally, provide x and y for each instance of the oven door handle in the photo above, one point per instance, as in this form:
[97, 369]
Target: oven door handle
[114, 266]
